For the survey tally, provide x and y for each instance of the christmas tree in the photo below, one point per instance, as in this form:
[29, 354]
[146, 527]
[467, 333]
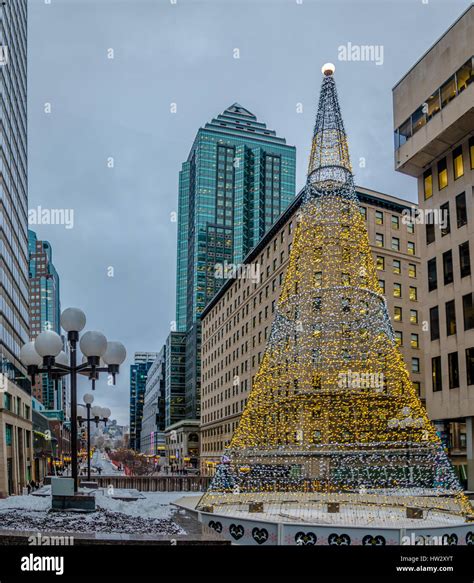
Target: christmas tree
[332, 417]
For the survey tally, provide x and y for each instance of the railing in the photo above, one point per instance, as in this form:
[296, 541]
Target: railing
[154, 483]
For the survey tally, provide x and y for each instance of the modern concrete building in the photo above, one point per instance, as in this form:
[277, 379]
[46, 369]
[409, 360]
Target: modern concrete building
[16, 453]
[433, 108]
[138, 378]
[237, 321]
[238, 178]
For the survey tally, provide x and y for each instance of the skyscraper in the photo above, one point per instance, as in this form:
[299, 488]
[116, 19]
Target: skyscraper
[238, 178]
[45, 310]
[138, 378]
[16, 453]
[13, 189]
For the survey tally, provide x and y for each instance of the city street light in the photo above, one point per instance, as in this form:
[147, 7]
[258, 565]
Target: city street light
[45, 355]
[99, 414]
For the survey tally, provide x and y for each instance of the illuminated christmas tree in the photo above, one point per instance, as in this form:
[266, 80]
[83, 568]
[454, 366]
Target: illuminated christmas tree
[333, 419]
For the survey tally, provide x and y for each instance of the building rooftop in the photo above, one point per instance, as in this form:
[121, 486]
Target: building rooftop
[238, 121]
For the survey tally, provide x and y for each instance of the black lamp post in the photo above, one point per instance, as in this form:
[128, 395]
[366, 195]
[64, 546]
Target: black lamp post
[98, 414]
[45, 355]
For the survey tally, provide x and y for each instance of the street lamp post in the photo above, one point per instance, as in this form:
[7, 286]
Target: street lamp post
[98, 414]
[45, 355]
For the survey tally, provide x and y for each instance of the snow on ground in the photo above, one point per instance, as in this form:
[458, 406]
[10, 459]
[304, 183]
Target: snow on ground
[153, 505]
[150, 515]
[25, 503]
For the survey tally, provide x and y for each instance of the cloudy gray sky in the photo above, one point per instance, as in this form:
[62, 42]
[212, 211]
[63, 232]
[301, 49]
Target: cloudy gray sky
[164, 52]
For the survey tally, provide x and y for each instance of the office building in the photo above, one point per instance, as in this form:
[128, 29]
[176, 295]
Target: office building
[16, 453]
[138, 378]
[237, 321]
[175, 409]
[153, 421]
[238, 178]
[434, 142]
[45, 312]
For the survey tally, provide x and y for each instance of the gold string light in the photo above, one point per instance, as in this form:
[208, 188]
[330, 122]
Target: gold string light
[332, 416]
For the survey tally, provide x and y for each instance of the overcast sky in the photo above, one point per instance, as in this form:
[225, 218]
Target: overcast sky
[117, 263]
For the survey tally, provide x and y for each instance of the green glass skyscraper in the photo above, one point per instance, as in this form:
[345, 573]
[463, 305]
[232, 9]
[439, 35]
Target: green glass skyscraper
[238, 178]
[45, 310]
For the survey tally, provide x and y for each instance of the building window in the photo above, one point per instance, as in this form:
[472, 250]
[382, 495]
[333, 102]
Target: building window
[378, 217]
[414, 316]
[458, 164]
[397, 314]
[410, 227]
[448, 267]
[411, 270]
[448, 91]
[446, 223]
[413, 293]
[468, 311]
[379, 239]
[411, 248]
[395, 244]
[436, 374]
[397, 290]
[453, 370]
[428, 184]
[397, 266]
[8, 434]
[363, 211]
[464, 259]
[382, 285]
[434, 323]
[450, 318]
[395, 222]
[415, 364]
[415, 341]
[461, 210]
[442, 174]
[399, 338]
[417, 386]
[471, 152]
[380, 262]
[470, 365]
[430, 232]
[432, 275]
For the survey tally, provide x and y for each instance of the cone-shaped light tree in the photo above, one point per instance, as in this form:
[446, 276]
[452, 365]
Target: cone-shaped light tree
[332, 415]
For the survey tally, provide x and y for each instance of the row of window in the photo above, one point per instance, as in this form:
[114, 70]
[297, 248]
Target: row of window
[455, 85]
[396, 266]
[450, 316]
[448, 269]
[395, 245]
[395, 220]
[442, 170]
[453, 370]
[443, 218]
[15, 405]
[397, 290]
